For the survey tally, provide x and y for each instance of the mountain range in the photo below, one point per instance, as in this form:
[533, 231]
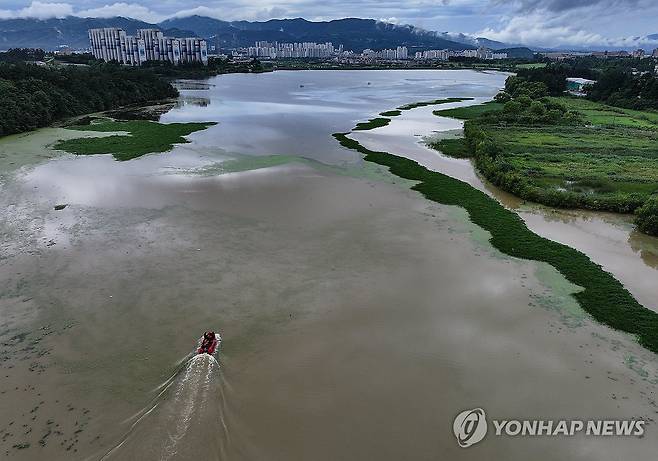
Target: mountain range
[354, 34]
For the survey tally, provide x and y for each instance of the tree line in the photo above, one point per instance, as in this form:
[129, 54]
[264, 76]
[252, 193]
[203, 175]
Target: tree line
[33, 96]
[525, 103]
[623, 82]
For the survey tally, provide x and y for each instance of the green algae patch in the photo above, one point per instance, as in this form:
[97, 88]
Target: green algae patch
[249, 163]
[603, 297]
[433, 102]
[130, 139]
[373, 123]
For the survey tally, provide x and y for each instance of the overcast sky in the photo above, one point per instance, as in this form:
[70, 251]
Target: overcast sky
[533, 22]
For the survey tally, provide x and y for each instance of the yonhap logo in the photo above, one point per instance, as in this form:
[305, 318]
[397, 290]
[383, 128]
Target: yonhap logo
[470, 427]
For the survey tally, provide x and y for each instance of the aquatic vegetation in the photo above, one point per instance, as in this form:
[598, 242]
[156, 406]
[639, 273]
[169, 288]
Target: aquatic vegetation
[433, 102]
[603, 296]
[372, 123]
[384, 120]
[141, 137]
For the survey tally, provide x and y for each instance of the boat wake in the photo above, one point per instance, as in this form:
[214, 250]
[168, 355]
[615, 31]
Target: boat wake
[184, 421]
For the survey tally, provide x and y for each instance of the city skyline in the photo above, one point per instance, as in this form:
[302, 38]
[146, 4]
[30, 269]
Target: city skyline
[614, 23]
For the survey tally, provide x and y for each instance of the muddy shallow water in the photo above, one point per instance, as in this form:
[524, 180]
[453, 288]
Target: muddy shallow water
[608, 239]
[358, 318]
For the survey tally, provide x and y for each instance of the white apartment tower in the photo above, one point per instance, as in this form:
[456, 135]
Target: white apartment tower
[113, 44]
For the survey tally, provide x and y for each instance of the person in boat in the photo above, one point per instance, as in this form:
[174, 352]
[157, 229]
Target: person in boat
[208, 339]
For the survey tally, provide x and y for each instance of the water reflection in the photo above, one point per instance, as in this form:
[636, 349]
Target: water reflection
[608, 239]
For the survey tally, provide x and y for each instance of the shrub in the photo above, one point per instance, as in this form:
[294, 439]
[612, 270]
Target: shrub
[647, 216]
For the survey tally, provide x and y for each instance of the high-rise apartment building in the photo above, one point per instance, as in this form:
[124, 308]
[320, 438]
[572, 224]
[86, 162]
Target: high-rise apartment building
[113, 44]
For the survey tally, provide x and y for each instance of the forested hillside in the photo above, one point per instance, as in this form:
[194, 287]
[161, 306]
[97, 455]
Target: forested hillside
[34, 96]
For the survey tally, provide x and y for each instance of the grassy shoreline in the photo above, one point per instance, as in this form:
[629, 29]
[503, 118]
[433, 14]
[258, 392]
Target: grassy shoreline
[603, 296]
[606, 161]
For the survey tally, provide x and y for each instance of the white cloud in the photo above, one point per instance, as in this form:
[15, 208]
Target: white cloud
[545, 23]
[537, 29]
[131, 10]
[39, 10]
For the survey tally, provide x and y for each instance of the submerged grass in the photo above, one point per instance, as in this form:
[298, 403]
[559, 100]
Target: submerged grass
[373, 123]
[603, 296]
[433, 102]
[143, 137]
[383, 120]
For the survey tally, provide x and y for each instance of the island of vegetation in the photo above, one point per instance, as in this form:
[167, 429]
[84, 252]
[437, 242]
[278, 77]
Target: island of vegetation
[134, 139]
[372, 123]
[567, 151]
[603, 296]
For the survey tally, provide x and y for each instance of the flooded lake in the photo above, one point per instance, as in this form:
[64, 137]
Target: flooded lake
[358, 319]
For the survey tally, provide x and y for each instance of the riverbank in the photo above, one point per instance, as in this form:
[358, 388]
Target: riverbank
[603, 296]
[607, 162]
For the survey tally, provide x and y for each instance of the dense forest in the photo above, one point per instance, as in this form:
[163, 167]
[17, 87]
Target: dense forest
[34, 96]
[622, 82]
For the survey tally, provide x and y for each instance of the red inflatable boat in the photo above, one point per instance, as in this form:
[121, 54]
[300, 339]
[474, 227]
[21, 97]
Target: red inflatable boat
[209, 343]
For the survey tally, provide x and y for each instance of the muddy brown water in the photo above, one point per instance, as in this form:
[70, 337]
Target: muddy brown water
[357, 318]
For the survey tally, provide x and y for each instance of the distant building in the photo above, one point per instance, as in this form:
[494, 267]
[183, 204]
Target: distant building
[276, 50]
[113, 44]
[486, 53]
[576, 86]
[655, 53]
[639, 53]
[439, 55]
[611, 54]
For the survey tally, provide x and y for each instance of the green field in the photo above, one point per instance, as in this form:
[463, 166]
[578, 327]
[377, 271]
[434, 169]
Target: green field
[133, 139]
[609, 162]
[601, 114]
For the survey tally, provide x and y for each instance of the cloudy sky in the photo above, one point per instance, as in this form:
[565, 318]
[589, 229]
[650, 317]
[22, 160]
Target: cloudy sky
[533, 22]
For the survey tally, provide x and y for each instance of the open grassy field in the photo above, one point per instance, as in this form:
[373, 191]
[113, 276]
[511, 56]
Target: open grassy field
[610, 162]
[601, 114]
[141, 137]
